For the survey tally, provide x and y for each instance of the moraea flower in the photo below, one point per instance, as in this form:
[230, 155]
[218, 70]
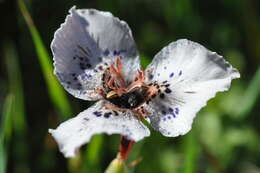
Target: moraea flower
[95, 58]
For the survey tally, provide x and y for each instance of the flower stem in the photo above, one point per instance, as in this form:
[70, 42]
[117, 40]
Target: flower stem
[118, 164]
[125, 147]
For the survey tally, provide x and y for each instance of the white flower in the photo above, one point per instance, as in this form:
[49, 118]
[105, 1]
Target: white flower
[95, 58]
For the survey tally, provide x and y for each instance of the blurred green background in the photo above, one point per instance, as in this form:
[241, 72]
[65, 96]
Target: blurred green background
[225, 135]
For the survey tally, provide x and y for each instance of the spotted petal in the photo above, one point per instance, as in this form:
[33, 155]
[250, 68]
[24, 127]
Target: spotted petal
[189, 76]
[87, 43]
[77, 131]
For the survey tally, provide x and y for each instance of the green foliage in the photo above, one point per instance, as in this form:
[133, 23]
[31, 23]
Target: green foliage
[15, 87]
[14, 124]
[3, 156]
[55, 90]
[93, 155]
[250, 96]
[5, 131]
[191, 148]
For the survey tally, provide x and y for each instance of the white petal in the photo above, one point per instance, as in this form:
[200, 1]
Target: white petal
[195, 75]
[114, 36]
[84, 44]
[77, 131]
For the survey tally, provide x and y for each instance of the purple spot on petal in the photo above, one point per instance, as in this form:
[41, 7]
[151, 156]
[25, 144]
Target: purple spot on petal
[91, 12]
[169, 117]
[165, 68]
[115, 113]
[86, 119]
[171, 75]
[177, 110]
[84, 76]
[150, 76]
[164, 119]
[162, 96]
[116, 53]
[163, 107]
[106, 52]
[88, 65]
[180, 72]
[82, 92]
[170, 109]
[98, 114]
[167, 90]
[173, 114]
[163, 112]
[100, 68]
[107, 114]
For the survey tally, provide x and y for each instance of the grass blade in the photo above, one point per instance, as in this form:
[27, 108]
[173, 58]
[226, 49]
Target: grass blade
[191, 152]
[6, 131]
[55, 90]
[6, 119]
[15, 86]
[15, 114]
[93, 155]
[250, 96]
[3, 156]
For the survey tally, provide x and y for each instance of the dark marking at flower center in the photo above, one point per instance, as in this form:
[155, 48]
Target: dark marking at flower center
[129, 100]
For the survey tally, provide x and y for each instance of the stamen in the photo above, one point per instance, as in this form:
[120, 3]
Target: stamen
[118, 72]
[139, 79]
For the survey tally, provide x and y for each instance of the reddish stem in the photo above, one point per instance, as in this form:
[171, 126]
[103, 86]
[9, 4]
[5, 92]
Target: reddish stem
[125, 147]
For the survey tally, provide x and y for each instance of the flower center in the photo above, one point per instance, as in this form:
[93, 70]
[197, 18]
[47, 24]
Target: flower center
[129, 100]
[118, 92]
